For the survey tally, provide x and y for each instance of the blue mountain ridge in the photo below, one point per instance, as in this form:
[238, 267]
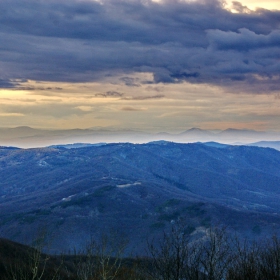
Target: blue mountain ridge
[138, 190]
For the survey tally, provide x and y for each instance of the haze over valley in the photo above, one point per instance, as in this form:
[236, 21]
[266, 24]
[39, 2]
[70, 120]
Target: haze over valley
[27, 137]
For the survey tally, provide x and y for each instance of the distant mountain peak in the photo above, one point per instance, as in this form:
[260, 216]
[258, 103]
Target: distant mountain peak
[195, 129]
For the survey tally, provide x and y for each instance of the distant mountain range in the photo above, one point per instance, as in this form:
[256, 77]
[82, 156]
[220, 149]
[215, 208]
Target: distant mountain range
[26, 137]
[267, 144]
[138, 190]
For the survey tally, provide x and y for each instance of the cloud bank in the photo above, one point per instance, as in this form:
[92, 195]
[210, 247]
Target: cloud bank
[194, 41]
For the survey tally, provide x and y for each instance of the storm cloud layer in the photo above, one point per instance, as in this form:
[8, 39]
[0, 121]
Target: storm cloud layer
[194, 41]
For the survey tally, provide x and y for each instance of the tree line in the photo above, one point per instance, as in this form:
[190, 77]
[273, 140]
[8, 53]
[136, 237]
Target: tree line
[174, 256]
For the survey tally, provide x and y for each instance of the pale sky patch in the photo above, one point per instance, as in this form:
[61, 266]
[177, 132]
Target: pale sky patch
[11, 115]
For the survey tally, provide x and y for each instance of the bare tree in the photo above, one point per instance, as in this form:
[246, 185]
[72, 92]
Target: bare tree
[101, 260]
[215, 255]
[31, 263]
[256, 260]
[245, 262]
[174, 257]
[270, 259]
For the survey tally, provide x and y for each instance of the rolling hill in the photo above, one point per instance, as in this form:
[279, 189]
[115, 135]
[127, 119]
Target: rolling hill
[137, 190]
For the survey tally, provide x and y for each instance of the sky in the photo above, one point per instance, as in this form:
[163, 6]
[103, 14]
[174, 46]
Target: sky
[165, 65]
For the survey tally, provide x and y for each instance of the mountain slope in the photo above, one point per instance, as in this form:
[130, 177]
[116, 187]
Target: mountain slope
[137, 190]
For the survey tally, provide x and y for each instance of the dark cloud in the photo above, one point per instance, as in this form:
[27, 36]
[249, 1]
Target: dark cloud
[158, 96]
[195, 41]
[8, 83]
[238, 7]
[243, 40]
[185, 76]
[131, 82]
[109, 94]
[33, 88]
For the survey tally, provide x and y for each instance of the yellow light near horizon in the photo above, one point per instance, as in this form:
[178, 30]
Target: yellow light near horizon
[251, 4]
[9, 93]
[254, 4]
